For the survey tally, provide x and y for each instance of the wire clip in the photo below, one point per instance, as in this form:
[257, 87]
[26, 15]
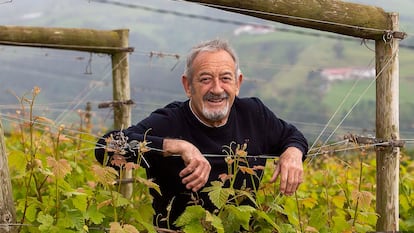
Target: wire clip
[389, 35]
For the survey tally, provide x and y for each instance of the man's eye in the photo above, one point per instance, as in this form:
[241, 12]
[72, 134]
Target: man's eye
[205, 79]
[227, 79]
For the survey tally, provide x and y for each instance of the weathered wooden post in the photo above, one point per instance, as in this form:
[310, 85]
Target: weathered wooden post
[387, 128]
[120, 84]
[121, 96]
[7, 210]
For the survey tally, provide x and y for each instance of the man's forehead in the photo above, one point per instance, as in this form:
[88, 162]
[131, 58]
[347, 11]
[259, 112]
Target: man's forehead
[214, 59]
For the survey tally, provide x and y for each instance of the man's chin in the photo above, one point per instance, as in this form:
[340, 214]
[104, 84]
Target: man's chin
[215, 115]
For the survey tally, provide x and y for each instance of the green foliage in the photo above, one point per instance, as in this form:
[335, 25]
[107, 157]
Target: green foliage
[218, 195]
[59, 187]
[192, 220]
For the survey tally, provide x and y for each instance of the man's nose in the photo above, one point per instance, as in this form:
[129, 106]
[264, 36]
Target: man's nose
[216, 88]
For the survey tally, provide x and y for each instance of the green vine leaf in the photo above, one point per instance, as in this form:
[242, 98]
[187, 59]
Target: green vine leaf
[46, 221]
[249, 195]
[94, 215]
[339, 201]
[217, 194]
[215, 221]
[309, 202]
[236, 217]
[31, 212]
[263, 215]
[191, 219]
[73, 219]
[17, 162]
[120, 200]
[193, 227]
[80, 202]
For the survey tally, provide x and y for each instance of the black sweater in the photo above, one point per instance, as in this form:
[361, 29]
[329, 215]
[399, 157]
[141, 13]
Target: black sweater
[250, 121]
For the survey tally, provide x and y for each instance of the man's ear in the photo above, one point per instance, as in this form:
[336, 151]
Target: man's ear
[186, 85]
[239, 83]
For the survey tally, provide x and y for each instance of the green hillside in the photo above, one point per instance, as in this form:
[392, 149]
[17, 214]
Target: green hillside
[290, 91]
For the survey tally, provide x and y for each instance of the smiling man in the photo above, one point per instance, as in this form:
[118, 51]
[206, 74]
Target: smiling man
[212, 118]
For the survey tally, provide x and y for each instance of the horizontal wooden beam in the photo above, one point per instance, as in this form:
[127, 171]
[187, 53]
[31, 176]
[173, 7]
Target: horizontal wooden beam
[88, 40]
[351, 19]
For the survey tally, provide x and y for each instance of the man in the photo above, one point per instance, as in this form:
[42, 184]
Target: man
[212, 118]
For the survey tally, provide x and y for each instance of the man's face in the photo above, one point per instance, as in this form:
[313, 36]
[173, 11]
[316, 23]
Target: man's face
[214, 86]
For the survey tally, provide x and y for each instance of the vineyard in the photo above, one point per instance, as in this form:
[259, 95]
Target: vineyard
[59, 187]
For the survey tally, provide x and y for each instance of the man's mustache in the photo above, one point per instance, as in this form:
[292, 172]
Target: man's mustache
[211, 96]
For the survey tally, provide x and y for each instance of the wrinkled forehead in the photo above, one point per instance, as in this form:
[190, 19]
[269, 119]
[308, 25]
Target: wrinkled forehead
[217, 60]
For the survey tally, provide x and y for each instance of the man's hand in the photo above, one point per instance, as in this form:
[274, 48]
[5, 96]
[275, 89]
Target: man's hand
[195, 174]
[290, 170]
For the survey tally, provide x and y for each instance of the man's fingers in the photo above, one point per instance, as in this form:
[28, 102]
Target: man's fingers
[196, 174]
[283, 179]
[290, 179]
[291, 183]
[196, 180]
[187, 170]
[275, 173]
[290, 170]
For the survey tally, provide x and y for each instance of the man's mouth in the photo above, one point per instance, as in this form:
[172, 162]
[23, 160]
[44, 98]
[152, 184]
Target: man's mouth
[216, 98]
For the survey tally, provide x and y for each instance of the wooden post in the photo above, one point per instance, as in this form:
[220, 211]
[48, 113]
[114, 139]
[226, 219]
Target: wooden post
[120, 82]
[7, 210]
[336, 16]
[121, 94]
[88, 40]
[387, 127]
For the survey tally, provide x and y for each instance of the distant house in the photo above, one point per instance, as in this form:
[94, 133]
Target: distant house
[253, 29]
[347, 73]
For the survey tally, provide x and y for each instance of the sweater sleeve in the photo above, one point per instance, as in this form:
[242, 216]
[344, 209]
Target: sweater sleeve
[280, 134]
